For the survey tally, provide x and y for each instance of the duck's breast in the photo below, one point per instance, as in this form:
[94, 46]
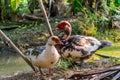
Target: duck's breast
[49, 58]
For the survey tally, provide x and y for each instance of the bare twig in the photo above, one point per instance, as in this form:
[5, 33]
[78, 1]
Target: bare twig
[10, 43]
[45, 14]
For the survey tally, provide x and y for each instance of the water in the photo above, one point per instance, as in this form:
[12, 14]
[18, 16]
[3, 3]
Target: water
[11, 63]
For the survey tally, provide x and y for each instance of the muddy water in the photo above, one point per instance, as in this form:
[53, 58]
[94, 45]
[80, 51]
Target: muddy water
[12, 63]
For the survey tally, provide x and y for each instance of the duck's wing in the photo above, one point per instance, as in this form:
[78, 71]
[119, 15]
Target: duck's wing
[89, 44]
[35, 51]
[76, 43]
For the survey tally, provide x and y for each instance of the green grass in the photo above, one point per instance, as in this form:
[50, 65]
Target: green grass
[113, 51]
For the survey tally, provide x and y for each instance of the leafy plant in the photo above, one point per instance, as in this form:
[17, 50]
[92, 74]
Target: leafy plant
[23, 7]
[76, 4]
[15, 4]
[117, 2]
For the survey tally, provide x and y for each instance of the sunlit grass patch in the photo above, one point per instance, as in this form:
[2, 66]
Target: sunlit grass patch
[113, 51]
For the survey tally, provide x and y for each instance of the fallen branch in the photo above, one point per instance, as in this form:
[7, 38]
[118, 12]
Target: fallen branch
[107, 74]
[10, 28]
[117, 76]
[10, 43]
[46, 18]
[31, 17]
[89, 73]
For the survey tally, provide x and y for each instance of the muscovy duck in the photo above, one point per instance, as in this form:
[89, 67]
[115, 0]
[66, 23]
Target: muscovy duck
[45, 57]
[77, 47]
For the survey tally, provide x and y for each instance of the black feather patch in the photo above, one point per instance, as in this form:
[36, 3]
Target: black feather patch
[36, 51]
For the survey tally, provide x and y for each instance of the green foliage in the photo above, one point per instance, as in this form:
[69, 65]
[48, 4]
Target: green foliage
[62, 64]
[77, 29]
[99, 22]
[23, 7]
[2, 1]
[15, 4]
[117, 2]
[65, 63]
[77, 4]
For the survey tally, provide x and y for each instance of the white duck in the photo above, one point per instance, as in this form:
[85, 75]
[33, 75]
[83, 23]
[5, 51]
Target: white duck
[77, 47]
[45, 57]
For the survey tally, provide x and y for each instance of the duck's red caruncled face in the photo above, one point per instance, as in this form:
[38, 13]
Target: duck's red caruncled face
[63, 24]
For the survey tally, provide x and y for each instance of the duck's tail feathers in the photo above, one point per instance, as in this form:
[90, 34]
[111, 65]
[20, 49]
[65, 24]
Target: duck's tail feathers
[105, 43]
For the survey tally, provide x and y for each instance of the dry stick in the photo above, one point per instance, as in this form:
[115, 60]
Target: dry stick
[10, 43]
[46, 18]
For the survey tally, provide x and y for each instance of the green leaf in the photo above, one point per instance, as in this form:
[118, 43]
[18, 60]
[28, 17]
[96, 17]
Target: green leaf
[15, 4]
[70, 1]
[77, 5]
[2, 1]
[119, 2]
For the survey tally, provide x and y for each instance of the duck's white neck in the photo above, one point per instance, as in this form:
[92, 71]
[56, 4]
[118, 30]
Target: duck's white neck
[49, 44]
